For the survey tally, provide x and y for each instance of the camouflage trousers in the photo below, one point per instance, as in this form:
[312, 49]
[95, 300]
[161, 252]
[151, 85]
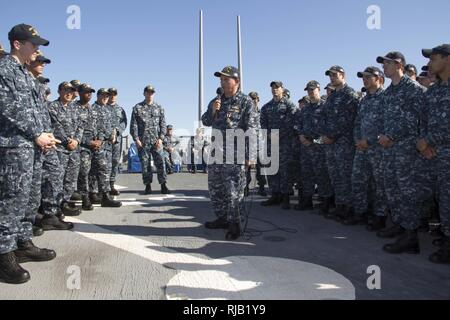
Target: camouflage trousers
[167, 159]
[443, 187]
[368, 182]
[295, 166]
[35, 191]
[16, 174]
[260, 178]
[426, 177]
[313, 163]
[399, 166]
[70, 164]
[279, 182]
[226, 184]
[52, 183]
[115, 161]
[93, 178]
[93, 163]
[145, 155]
[340, 163]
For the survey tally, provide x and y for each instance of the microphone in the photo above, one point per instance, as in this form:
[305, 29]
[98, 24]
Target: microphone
[219, 92]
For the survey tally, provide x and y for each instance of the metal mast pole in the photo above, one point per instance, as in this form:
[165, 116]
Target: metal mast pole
[240, 52]
[200, 71]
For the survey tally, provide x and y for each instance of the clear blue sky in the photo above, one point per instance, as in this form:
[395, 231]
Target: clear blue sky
[129, 44]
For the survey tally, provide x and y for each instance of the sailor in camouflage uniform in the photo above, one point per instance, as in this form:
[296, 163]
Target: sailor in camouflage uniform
[313, 159]
[401, 105]
[435, 144]
[148, 128]
[119, 125]
[108, 121]
[69, 129]
[367, 175]
[339, 113]
[88, 143]
[279, 114]
[21, 135]
[100, 172]
[260, 177]
[47, 189]
[232, 111]
[170, 142]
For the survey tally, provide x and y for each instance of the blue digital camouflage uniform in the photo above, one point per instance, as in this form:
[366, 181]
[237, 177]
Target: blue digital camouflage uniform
[51, 183]
[108, 121]
[438, 136]
[21, 124]
[401, 105]
[100, 172]
[227, 179]
[367, 174]
[169, 142]
[90, 131]
[295, 166]
[148, 124]
[260, 176]
[426, 169]
[67, 125]
[313, 160]
[339, 113]
[281, 116]
[119, 124]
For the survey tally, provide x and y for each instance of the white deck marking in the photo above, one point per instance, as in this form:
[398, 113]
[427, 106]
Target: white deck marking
[239, 277]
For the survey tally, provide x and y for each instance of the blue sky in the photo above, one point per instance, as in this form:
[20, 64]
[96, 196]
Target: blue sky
[129, 44]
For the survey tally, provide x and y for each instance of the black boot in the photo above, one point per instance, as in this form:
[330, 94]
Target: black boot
[408, 242]
[70, 211]
[164, 189]
[377, 223]
[262, 191]
[27, 252]
[285, 204]
[49, 222]
[439, 242]
[11, 271]
[343, 214]
[324, 208]
[391, 232]
[37, 231]
[86, 204]
[219, 223]
[443, 254]
[76, 196]
[59, 215]
[95, 198]
[274, 200]
[304, 204]
[355, 219]
[114, 191]
[148, 189]
[333, 201]
[246, 191]
[338, 212]
[234, 232]
[107, 202]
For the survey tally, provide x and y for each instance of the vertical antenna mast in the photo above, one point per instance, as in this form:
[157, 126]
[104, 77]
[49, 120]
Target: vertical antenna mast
[200, 71]
[240, 52]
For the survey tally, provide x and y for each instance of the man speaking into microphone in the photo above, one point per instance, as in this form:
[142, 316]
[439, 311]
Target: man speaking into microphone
[230, 114]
